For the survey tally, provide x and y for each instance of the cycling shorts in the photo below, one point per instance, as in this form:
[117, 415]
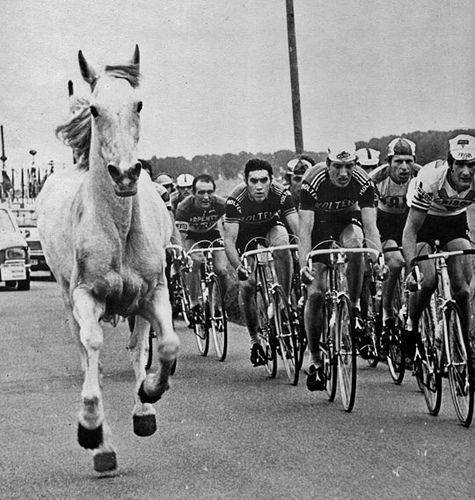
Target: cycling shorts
[444, 229]
[391, 226]
[331, 229]
[249, 232]
[212, 235]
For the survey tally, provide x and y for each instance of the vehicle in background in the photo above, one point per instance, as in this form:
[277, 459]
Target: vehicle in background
[26, 218]
[14, 252]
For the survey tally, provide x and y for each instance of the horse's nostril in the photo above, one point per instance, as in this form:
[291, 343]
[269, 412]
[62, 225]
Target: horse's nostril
[114, 172]
[134, 172]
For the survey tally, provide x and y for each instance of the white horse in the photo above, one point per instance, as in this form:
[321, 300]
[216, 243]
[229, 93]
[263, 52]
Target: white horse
[103, 228]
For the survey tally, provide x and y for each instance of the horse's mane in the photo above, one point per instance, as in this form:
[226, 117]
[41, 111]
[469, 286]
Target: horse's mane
[76, 132]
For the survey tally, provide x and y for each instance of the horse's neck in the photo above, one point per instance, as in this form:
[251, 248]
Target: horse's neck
[110, 207]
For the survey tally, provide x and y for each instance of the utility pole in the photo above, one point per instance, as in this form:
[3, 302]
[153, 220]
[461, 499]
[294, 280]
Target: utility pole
[294, 77]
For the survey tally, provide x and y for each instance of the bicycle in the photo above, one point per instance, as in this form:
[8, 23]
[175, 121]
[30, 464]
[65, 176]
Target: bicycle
[274, 315]
[337, 339]
[211, 314]
[444, 348]
[178, 265]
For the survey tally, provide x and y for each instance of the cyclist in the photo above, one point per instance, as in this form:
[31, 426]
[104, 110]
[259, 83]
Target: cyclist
[392, 181]
[293, 177]
[184, 184]
[257, 208]
[438, 199]
[197, 218]
[337, 202]
[167, 182]
[368, 159]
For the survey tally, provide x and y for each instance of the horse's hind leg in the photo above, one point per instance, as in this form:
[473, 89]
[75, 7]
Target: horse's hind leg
[160, 311]
[93, 431]
[143, 413]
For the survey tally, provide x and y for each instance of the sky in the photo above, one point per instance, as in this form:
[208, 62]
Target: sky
[216, 75]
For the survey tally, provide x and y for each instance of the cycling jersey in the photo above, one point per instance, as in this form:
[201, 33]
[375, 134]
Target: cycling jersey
[431, 191]
[255, 219]
[199, 223]
[328, 201]
[391, 195]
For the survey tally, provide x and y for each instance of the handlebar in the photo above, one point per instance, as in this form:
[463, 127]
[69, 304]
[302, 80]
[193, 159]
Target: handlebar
[270, 250]
[330, 251]
[442, 255]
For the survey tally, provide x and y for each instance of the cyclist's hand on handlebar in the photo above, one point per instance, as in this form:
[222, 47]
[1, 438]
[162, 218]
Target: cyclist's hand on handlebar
[307, 275]
[242, 272]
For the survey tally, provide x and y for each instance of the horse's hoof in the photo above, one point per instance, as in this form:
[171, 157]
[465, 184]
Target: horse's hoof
[144, 425]
[105, 461]
[89, 438]
[145, 398]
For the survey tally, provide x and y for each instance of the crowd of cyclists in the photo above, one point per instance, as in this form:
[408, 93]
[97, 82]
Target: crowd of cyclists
[352, 198]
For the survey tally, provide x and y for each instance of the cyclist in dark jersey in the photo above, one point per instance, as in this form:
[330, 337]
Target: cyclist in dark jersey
[257, 208]
[197, 218]
[337, 202]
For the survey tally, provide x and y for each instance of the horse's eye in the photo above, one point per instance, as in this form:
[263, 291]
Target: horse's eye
[94, 111]
[139, 106]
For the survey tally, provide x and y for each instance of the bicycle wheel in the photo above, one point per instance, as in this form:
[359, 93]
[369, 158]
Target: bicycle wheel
[459, 365]
[299, 325]
[218, 320]
[373, 331]
[346, 353]
[265, 329]
[428, 372]
[396, 356]
[286, 336]
[327, 352]
[184, 298]
[201, 329]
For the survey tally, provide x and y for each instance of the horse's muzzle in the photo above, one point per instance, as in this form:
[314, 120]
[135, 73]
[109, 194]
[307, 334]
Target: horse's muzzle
[125, 183]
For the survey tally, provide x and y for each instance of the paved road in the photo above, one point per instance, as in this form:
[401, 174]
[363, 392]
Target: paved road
[225, 430]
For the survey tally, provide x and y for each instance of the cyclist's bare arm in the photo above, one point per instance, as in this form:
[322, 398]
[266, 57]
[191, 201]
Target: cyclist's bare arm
[415, 219]
[231, 231]
[293, 223]
[368, 217]
[306, 220]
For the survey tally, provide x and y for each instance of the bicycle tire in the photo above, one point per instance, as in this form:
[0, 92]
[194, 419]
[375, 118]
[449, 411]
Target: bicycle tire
[346, 353]
[430, 379]
[185, 302]
[218, 319]
[460, 365]
[373, 331]
[201, 330]
[265, 329]
[299, 325]
[396, 356]
[286, 336]
[327, 353]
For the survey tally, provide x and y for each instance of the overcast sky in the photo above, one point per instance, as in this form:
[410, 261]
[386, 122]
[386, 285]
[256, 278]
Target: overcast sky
[216, 72]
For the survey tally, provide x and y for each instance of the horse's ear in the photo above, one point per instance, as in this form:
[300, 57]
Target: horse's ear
[87, 71]
[136, 58]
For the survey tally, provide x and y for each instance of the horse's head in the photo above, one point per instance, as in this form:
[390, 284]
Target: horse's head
[115, 108]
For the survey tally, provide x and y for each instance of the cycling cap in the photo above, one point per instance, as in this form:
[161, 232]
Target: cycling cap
[184, 180]
[341, 152]
[298, 166]
[164, 179]
[401, 146]
[462, 147]
[368, 157]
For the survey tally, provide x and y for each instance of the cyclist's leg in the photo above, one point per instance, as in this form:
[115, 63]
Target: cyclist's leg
[248, 295]
[395, 262]
[313, 311]
[352, 237]
[460, 274]
[220, 264]
[193, 278]
[278, 235]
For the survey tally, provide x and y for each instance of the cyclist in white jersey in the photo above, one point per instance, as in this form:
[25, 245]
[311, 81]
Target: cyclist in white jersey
[438, 199]
[392, 182]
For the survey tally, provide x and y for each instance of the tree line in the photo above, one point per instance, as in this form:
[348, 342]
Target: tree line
[430, 145]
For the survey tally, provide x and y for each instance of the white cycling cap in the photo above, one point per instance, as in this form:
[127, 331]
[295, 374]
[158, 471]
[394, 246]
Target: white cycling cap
[401, 146]
[462, 147]
[184, 180]
[341, 152]
[368, 157]
[164, 179]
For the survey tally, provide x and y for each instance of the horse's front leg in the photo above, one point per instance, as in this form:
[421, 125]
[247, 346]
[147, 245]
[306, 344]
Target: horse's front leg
[93, 431]
[159, 312]
[143, 413]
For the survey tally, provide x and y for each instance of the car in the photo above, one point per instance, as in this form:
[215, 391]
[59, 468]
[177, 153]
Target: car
[27, 220]
[14, 252]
